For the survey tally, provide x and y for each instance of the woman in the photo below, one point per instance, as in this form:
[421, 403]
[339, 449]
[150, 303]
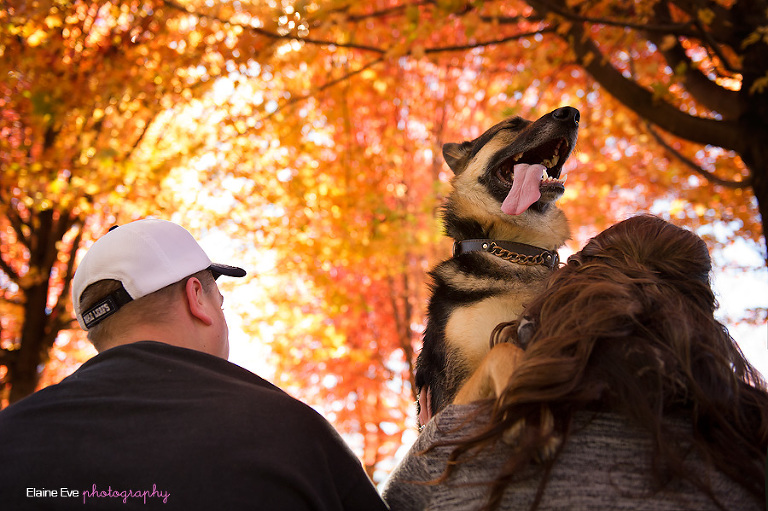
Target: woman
[629, 395]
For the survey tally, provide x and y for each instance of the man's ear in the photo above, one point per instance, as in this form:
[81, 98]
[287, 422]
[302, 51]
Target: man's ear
[197, 301]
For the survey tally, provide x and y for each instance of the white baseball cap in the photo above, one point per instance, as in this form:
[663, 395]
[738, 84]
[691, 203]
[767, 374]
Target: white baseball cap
[145, 256]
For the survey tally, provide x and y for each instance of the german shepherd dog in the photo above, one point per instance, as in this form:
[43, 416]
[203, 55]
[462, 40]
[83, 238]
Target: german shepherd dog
[506, 230]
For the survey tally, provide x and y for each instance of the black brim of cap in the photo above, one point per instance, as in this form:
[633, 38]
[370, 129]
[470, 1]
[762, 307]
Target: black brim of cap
[225, 269]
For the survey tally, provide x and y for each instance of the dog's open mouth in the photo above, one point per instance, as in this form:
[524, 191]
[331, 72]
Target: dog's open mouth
[533, 174]
[550, 155]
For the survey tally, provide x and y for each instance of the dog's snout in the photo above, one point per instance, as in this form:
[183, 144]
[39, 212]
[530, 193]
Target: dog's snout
[567, 114]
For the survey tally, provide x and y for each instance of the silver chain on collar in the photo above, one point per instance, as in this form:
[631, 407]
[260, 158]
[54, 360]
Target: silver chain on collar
[514, 257]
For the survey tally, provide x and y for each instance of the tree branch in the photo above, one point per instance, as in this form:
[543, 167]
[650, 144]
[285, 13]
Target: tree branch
[511, 20]
[8, 357]
[714, 47]
[709, 176]
[683, 29]
[372, 63]
[62, 322]
[70, 269]
[721, 27]
[273, 35]
[318, 42]
[49, 246]
[135, 145]
[6, 268]
[398, 9]
[723, 133]
[18, 224]
[304, 97]
[484, 44]
[705, 91]
[355, 46]
[693, 29]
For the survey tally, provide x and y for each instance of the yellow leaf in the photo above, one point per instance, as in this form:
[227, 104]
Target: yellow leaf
[760, 34]
[37, 38]
[412, 14]
[676, 207]
[759, 85]
[56, 186]
[668, 42]
[92, 188]
[53, 21]
[706, 16]
[380, 86]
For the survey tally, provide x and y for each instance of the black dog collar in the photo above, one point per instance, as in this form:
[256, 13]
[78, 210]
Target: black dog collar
[519, 253]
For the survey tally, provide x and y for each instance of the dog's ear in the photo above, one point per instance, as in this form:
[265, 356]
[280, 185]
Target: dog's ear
[455, 155]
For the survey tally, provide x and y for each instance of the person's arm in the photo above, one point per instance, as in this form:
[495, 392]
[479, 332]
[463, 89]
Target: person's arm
[411, 485]
[406, 489]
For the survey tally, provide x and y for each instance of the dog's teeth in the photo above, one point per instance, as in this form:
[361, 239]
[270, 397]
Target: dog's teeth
[517, 157]
[544, 175]
[555, 159]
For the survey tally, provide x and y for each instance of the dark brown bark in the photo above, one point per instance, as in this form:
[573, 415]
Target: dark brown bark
[743, 127]
[41, 324]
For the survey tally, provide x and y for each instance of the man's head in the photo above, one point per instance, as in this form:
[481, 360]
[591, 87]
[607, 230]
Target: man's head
[148, 273]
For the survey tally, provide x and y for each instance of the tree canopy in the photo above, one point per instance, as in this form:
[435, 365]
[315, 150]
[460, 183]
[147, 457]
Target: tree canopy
[311, 133]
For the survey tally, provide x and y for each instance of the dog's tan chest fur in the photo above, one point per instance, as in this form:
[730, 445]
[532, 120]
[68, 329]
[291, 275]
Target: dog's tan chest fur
[470, 327]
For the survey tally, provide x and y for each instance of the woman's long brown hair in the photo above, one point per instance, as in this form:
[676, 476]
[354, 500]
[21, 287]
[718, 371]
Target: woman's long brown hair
[628, 326]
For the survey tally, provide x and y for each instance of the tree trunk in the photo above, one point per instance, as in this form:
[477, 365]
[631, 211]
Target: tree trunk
[757, 161]
[754, 107]
[24, 373]
[41, 323]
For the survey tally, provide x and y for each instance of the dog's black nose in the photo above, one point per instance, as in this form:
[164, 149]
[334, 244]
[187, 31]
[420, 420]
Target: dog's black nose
[567, 114]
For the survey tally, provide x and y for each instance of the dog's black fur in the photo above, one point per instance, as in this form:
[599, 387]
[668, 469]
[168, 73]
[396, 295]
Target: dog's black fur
[475, 290]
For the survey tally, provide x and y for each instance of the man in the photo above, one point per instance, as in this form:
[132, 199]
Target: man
[159, 417]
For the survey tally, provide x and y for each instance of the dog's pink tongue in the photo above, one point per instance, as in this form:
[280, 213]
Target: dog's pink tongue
[525, 188]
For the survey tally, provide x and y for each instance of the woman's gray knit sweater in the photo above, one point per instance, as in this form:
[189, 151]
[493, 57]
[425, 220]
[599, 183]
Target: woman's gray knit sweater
[605, 464]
